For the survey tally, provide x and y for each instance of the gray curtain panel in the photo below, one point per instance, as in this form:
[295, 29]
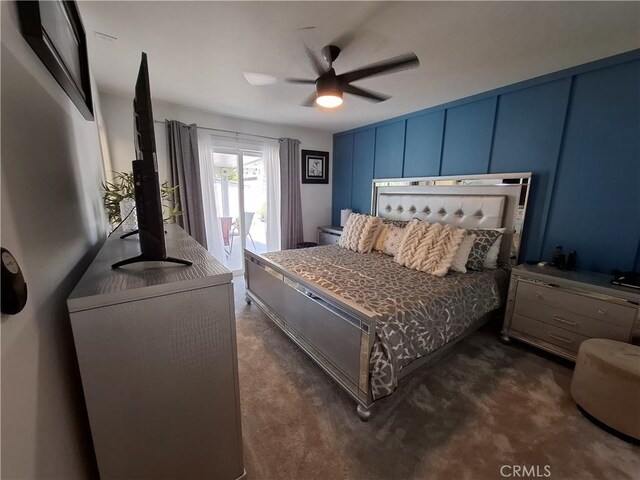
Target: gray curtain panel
[290, 202]
[182, 142]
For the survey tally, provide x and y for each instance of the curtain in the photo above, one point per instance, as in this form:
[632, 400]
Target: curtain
[213, 229]
[290, 200]
[271, 158]
[182, 144]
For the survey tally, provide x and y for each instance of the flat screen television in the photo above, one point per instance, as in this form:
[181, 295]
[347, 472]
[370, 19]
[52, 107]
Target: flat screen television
[145, 178]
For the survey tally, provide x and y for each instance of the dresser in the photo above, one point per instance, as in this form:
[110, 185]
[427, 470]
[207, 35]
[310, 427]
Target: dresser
[156, 348]
[555, 310]
[329, 235]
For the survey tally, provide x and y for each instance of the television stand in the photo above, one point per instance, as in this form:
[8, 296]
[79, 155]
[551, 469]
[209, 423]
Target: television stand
[132, 232]
[144, 258]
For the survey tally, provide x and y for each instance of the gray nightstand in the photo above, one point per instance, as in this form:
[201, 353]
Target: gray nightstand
[329, 235]
[555, 310]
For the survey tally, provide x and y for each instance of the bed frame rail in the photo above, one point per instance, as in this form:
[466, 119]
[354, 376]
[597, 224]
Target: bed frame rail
[337, 336]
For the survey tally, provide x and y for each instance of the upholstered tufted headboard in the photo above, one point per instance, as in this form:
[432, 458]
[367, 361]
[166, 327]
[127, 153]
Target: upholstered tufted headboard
[465, 211]
[473, 205]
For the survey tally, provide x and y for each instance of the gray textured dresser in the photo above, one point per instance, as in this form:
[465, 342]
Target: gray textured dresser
[329, 235]
[157, 354]
[556, 310]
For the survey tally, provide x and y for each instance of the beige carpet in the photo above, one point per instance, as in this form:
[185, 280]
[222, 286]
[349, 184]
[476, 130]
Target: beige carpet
[483, 406]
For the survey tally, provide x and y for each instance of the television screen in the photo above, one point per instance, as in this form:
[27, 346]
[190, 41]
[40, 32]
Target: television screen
[145, 171]
[145, 178]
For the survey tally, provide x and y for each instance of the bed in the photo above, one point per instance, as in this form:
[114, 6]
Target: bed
[368, 321]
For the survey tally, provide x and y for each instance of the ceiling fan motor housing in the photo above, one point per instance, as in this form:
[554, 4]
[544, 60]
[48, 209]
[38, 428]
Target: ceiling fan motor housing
[328, 84]
[330, 53]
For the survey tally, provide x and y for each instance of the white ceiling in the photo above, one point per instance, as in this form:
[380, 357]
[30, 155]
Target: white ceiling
[199, 50]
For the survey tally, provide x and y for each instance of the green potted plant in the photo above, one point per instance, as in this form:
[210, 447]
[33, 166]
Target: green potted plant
[119, 201]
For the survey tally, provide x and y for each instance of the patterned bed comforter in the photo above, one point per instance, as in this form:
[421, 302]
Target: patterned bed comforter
[416, 313]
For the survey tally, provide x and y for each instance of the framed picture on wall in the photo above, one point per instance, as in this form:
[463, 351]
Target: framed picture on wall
[54, 31]
[315, 166]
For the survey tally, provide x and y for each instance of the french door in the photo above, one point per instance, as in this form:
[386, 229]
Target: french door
[239, 185]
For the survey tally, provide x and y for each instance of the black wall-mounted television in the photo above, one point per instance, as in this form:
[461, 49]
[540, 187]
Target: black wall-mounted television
[145, 178]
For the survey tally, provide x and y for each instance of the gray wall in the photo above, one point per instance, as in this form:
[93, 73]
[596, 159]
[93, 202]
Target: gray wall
[118, 114]
[52, 221]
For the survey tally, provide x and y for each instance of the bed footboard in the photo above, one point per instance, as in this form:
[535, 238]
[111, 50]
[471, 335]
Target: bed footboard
[336, 335]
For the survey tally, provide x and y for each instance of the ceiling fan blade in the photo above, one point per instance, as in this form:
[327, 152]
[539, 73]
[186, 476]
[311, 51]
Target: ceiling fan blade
[315, 61]
[375, 10]
[310, 101]
[366, 94]
[302, 81]
[396, 64]
[343, 40]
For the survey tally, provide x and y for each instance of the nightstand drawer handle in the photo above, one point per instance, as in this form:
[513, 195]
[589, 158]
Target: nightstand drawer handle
[562, 339]
[562, 320]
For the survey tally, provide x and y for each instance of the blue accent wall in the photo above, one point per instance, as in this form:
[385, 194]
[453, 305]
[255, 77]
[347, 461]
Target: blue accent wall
[423, 145]
[467, 143]
[342, 169]
[596, 200]
[364, 144]
[528, 135]
[577, 131]
[389, 150]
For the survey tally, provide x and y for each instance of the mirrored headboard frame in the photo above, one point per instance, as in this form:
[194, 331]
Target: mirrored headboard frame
[514, 186]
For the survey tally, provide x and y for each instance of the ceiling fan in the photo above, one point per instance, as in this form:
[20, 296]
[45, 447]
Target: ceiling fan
[331, 87]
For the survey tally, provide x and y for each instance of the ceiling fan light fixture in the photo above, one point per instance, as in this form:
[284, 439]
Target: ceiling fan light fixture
[329, 99]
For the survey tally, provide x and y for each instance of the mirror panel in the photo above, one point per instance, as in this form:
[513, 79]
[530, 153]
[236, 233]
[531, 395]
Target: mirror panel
[497, 179]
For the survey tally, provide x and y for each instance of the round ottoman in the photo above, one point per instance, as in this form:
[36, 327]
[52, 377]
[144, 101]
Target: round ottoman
[606, 384]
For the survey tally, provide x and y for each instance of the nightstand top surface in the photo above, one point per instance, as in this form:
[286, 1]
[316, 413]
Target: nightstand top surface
[600, 281]
[332, 228]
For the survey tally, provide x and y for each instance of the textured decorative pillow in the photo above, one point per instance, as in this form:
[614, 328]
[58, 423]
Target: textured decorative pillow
[359, 232]
[422, 216]
[484, 241]
[392, 240]
[459, 261]
[396, 223]
[429, 247]
[491, 260]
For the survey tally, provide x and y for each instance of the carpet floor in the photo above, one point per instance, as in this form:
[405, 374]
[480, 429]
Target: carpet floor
[482, 406]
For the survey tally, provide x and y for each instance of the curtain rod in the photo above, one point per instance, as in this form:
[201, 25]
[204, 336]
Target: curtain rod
[228, 131]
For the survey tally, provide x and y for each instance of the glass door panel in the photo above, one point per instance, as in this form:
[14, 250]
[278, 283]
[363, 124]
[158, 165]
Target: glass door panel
[227, 192]
[254, 188]
[239, 188]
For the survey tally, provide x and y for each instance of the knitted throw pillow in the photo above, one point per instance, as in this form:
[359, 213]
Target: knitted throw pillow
[428, 247]
[359, 232]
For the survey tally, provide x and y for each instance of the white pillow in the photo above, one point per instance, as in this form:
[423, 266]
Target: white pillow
[491, 260]
[462, 255]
